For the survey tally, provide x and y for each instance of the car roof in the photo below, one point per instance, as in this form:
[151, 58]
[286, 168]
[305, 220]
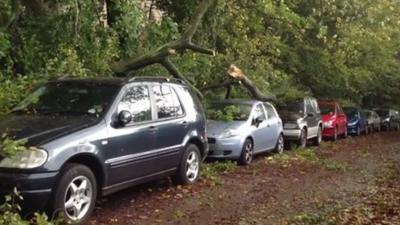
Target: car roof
[240, 101]
[120, 81]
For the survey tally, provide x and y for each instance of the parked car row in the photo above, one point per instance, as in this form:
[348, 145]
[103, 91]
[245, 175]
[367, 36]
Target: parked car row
[89, 138]
[258, 127]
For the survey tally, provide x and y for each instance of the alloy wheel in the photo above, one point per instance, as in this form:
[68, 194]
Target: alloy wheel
[249, 152]
[303, 139]
[78, 198]
[280, 145]
[192, 166]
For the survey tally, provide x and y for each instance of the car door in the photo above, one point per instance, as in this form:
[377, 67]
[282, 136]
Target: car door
[342, 120]
[260, 130]
[312, 118]
[274, 125]
[129, 146]
[171, 124]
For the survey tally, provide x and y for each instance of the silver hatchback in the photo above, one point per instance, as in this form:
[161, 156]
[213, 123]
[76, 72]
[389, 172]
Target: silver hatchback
[252, 127]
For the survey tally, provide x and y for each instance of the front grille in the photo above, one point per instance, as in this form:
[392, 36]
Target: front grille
[212, 140]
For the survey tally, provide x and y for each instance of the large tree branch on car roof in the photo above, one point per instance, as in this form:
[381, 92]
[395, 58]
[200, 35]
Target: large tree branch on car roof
[227, 84]
[172, 48]
[237, 74]
[175, 73]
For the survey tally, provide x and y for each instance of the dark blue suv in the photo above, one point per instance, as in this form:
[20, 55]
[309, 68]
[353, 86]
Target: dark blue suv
[92, 137]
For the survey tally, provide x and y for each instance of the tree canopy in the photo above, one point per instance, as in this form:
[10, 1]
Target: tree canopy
[340, 49]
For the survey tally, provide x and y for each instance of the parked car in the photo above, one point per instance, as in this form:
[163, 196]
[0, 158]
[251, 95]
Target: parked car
[390, 119]
[334, 119]
[93, 137]
[373, 119]
[356, 121]
[255, 127]
[302, 121]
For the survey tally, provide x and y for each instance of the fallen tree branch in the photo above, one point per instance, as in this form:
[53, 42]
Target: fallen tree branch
[171, 48]
[237, 74]
[175, 73]
[224, 84]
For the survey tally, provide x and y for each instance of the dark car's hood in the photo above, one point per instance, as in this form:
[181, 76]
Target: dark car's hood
[353, 119]
[289, 116]
[39, 130]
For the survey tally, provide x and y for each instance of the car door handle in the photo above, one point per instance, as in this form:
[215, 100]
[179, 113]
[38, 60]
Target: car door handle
[184, 123]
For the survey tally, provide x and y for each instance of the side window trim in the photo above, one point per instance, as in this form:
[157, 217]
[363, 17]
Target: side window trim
[124, 90]
[154, 105]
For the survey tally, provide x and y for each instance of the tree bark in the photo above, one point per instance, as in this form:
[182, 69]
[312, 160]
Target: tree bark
[238, 75]
[161, 55]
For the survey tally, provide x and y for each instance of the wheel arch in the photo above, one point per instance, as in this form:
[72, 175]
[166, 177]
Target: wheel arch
[93, 163]
[199, 144]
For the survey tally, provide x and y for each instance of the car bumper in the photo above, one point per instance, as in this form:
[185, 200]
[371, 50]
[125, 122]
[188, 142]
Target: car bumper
[292, 134]
[328, 132]
[352, 129]
[229, 148]
[35, 189]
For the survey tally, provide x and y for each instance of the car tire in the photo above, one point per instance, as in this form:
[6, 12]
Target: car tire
[345, 133]
[366, 131]
[397, 127]
[189, 167]
[75, 195]
[303, 138]
[247, 153]
[335, 134]
[358, 132]
[317, 140]
[280, 144]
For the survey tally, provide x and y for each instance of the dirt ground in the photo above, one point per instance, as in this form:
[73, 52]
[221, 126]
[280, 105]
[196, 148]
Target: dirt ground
[350, 181]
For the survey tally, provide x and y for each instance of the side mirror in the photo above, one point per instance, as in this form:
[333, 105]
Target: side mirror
[310, 114]
[124, 117]
[257, 121]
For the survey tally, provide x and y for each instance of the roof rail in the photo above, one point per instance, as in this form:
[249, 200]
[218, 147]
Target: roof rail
[157, 79]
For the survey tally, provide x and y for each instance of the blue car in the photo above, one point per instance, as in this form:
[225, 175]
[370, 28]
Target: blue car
[357, 122]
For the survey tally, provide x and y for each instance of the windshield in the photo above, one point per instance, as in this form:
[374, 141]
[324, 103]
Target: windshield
[383, 113]
[228, 112]
[295, 107]
[71, 98]
[327, 109]
[351, 112]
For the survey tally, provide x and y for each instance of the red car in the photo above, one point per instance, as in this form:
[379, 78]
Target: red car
[334, 119]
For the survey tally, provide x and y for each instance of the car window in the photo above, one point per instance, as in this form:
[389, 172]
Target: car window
[309, 107]
[327, 109]
[270, 111]
[314, 105]
[259, 112]
[167, 102]
[340, 110]
[137, 102]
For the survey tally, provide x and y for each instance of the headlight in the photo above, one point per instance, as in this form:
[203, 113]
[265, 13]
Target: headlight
[229, 133]
[27, 159]
[387, 120]
[290, 126]
[352, 124]
[328, 123]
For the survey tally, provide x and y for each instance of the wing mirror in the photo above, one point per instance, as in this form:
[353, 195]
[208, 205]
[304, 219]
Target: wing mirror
[124, 117]
[257, 121]
[310, 114]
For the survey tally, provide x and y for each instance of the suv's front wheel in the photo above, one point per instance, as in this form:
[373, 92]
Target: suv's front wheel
[189, 167]
[318, 139]
[75, 195]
